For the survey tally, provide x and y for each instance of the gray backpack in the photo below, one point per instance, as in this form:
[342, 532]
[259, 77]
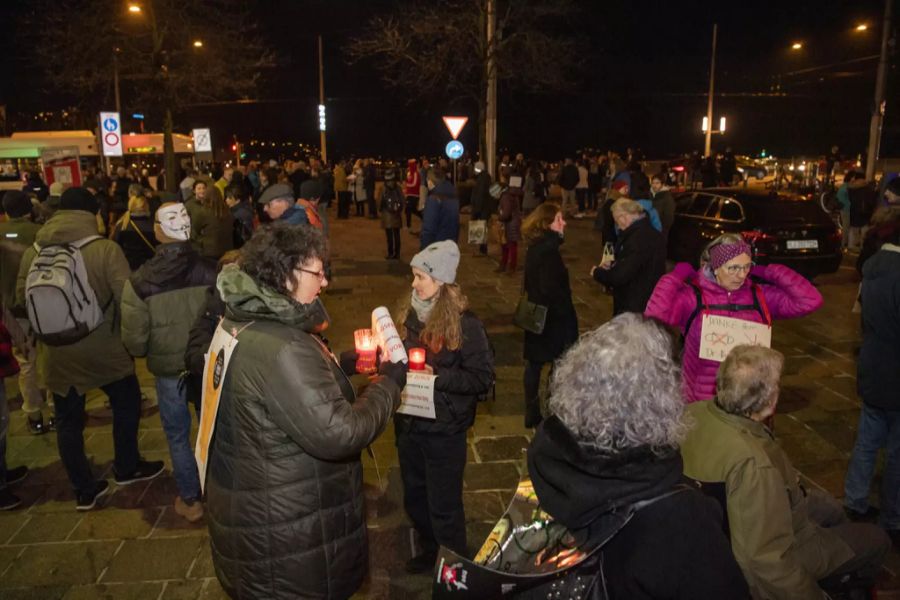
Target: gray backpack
[62, 306]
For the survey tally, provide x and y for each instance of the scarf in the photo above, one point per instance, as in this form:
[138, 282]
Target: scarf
[422, 307]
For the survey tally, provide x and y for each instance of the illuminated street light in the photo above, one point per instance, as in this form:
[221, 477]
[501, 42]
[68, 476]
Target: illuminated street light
[705, 125]
[722, 125]
[796, 46]
[198, 44]
[862, 27]
[134, 8]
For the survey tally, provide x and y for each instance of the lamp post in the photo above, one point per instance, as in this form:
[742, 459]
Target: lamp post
[878, 108]
[707, 147]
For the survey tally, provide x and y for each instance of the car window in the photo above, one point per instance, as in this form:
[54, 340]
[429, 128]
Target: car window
[713, 209]
[700, 205]
[683, 202]
[731, 211]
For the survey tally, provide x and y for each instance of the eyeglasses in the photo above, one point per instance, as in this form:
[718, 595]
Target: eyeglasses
[320, 275]
[735, 269]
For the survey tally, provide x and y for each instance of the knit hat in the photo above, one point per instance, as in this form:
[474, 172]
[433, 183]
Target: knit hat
[311, 189]
[16, 203]
[277, 191]
[618, 185]
[721, 254]
[57, 188]
[479, 166]
[79, 198]
[439, 260]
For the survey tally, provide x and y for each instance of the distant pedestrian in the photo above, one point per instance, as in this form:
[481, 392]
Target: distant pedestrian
[241, 211]
[664, 203]
[369, 179]
[358, 179]
[393, 202]
[482, 203]
[440, 221]
[134, 230]
[342, 189]
[212, 226]
[728, 167]
[568, 180]
[411, 189]
[510, 217]
[709, 172]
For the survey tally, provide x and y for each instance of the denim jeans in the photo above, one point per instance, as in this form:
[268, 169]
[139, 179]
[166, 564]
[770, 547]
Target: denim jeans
[125, 400]
[176, 421]
[4, 429]
[878, 428]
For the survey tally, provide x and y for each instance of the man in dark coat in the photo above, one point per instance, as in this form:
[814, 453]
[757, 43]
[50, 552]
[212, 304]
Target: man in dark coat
[440, 220]
[664, 203]
[483, 204]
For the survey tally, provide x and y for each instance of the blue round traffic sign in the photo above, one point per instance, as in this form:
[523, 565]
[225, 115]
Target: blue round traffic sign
[454, 149]
[110, 124]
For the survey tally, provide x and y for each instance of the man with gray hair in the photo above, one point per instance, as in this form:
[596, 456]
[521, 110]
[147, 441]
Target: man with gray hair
[791, 542]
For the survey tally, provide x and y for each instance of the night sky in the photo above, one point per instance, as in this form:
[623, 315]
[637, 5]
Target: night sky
[644, 83]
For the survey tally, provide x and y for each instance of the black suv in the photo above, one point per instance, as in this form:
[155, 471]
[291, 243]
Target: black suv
[782, 228]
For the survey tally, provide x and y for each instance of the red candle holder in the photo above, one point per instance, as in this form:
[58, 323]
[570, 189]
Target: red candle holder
[417, 359]
[365, 350]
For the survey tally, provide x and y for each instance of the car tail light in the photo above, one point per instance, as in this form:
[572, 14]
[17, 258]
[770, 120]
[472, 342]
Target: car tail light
[836, 236]
[758, 240]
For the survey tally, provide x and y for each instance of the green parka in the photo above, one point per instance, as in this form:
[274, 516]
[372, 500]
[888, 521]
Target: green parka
[16, 235]
[284, 488]
[99, 358]
[781, 551]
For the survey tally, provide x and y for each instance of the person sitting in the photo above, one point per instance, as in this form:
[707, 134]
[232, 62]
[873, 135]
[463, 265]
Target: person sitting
[610, 450]
[787, 539]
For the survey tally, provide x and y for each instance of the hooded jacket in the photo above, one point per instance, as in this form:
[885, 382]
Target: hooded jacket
[160, 303]
[768, 513]
[284, 488]
[482, 201]
[16, 235]
[787, 295]
[440, 221]
[878, 366]
[462, 376]
[99, 358]
[673, 548]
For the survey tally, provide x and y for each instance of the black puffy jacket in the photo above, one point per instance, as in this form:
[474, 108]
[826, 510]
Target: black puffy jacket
[462, 376]
[284, 487]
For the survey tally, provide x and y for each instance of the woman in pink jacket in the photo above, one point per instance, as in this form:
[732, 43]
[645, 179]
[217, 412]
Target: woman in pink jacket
[729, 284]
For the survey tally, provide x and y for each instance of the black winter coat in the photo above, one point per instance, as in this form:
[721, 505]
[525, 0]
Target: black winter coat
[878, 366]
[673, 548]
[547, 284]
[482, 201]
[463, 375]
[640, 262]
[284, 489]
[137, 240]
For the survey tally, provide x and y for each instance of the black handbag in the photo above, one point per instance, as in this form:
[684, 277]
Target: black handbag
[530, 316]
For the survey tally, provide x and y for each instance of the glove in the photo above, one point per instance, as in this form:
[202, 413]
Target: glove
[347, 361]
[394, 371]
[683, 271]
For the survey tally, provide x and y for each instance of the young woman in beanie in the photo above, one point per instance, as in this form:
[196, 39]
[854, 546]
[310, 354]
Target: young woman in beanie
[432, 452]
[730, 284]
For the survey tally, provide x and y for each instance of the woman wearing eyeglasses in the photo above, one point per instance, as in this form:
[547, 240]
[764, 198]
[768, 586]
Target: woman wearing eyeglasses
[284, 486]
[728, 284]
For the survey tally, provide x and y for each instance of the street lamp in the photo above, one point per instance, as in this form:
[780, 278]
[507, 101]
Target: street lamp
[796, 46]
[862, 27]
[198, 43]
[134, 8]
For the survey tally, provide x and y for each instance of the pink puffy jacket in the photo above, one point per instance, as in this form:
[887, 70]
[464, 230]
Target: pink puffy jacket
[787, 295]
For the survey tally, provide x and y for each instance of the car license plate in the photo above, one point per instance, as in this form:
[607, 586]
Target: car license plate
[803, 244]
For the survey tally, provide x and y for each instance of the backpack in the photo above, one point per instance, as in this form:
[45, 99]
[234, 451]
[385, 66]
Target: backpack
[61, 304]
[393, 201]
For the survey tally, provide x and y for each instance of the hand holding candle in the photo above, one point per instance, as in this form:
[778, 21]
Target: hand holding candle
[417, 359]
[365, 348]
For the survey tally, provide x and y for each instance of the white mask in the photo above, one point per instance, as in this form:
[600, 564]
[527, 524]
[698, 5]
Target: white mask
[174, 221]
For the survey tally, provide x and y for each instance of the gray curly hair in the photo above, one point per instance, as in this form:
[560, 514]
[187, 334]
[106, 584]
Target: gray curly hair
[618, 388]
[748, 379]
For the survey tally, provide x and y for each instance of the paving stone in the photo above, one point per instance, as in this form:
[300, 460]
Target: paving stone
[41, 592]
[7, 555]
[482, 506]
[171, 524]
[59, 564]
[203, 566]
[47, 527]
[502, 448]
[151, 559]
[114, 523]
[491, 476]
[212, 591]
[183, 590]
[115, 591]
[10, 522]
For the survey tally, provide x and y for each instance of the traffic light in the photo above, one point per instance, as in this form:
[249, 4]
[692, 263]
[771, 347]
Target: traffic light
[234, 147]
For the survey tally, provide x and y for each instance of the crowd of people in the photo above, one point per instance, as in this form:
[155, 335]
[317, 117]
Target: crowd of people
[641, 419]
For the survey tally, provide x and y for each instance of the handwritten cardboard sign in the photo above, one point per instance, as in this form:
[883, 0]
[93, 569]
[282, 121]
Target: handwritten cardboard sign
[719, 334]
[417, 398]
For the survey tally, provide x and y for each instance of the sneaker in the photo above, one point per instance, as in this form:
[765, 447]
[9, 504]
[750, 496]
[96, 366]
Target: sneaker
[191, 510]
[89, 501]
[145, 470]
[16, 475]
[36, 426]
[8, 500]
[423, 563]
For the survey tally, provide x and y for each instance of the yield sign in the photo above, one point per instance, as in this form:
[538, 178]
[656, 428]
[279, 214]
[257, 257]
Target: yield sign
[455, 125]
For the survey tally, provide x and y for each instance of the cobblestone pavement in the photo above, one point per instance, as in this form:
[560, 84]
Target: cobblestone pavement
[137, 547]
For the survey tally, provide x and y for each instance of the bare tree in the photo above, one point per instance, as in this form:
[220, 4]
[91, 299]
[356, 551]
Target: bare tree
[169, 54]
[440, 50]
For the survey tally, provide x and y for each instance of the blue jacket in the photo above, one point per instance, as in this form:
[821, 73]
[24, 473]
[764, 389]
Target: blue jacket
[651, 213]
[441, 218]
[878, 365]
[294, 216]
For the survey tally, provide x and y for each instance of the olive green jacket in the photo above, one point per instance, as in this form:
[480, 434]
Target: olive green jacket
[781, 551]
[99, 358]
[16, 235]
[211, 236]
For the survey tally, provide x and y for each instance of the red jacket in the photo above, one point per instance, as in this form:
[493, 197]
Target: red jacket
[786, 294]
[412, 179]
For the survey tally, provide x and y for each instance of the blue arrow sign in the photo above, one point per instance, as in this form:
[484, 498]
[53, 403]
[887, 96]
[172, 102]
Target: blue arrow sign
[454, 149]
[110, 124]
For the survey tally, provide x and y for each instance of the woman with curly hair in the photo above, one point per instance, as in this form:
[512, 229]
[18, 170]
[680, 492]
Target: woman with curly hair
[284, 486]
[432, 452]
[606, 465]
